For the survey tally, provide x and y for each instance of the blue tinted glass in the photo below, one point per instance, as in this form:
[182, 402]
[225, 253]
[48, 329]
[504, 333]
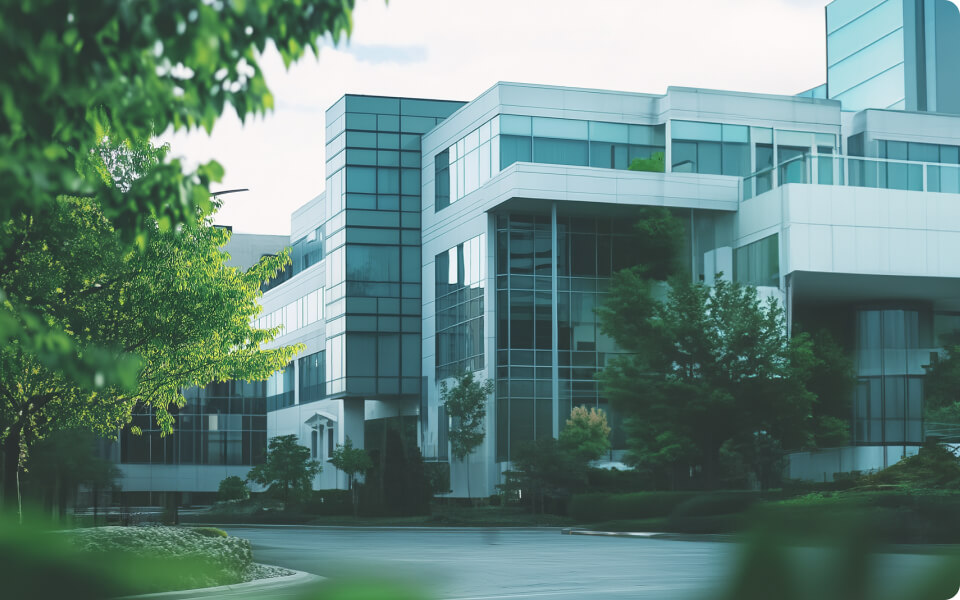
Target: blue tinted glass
[362, 180]
[515, 125]
[388, 123]
[388, 181]
[684, 157]
[691, 130]
[862, 65]
[609, 132]
[924, 152]
[950, 154]
[513, 149]
[880, 92]
[560, 152]
[841, 12]
[361, 121]
[864, 30]
[736, 133]
[647, 135]
[559, 128]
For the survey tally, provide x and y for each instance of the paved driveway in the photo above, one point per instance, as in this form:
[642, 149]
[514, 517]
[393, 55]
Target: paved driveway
[474, 564]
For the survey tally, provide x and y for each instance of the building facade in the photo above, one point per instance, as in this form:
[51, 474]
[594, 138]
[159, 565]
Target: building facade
[481, 236]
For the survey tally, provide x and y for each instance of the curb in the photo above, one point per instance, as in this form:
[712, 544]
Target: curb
[626, 534]
[270, 583]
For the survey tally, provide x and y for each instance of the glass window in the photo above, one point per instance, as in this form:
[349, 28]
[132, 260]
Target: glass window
[515, 125]
[560, 151]
[758, 263]
[559, 128]
[514, 149]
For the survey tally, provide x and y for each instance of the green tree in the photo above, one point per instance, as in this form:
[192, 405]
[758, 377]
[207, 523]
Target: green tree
[704, 366]
[466, 405]
[351, 461]
[586, 434]
[288, 467]
[942, 384]
[233, 488]
[76, 73]
[62, 462]
[546, 470]
[655, 163]
[174, 310]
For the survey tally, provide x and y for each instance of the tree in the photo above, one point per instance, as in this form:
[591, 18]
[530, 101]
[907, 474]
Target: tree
[351, 461]
[233, 488]
[942, 384]
[175, 310]
[77, 73]
[586, 434]
[62, 462]
[288, 467]
[547, 470]
[705, 366]
[656, 163]
[466, 404]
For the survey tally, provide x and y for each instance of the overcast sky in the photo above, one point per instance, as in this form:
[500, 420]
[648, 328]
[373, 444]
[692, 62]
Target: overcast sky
[456, 49]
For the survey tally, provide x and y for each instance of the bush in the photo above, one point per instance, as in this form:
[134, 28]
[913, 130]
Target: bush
[233, 488]
[329, 503]
[717, 503]
[614, 481]
[592, 508]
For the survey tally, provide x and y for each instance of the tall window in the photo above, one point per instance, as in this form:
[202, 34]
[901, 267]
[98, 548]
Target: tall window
[758, 263]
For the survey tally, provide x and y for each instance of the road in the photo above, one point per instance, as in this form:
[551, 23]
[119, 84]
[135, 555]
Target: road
[472, 564]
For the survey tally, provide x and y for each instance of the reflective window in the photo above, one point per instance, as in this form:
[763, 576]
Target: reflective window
[459, 308]
[889, 357]
[758, 263]
[710, 148]
[280, 389]
[312, 382]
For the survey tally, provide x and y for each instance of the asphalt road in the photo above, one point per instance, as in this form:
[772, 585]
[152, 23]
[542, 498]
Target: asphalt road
[472, 564]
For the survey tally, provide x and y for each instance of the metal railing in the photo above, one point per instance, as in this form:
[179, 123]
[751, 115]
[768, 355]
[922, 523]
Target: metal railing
[854, 171]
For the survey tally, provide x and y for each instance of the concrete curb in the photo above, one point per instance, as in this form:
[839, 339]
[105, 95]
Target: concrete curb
[270, 583]
[627, 534]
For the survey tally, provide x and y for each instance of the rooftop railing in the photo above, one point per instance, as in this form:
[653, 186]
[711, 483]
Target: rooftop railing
[855, 171]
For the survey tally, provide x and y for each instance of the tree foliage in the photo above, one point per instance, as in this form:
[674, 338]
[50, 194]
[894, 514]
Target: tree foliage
[546, 471]
[77, 73]
[704, 366]
[174, 311]
[466, 405]
[352, 461]
[942, 384]
[586, 433]
[288, 468]
[232, 488]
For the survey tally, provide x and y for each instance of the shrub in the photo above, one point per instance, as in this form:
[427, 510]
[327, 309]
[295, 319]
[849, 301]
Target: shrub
[233, 488]
[329, 503]
[595, 507]
[717, 503]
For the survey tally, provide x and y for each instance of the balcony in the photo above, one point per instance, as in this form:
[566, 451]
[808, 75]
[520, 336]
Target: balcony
[855, 171]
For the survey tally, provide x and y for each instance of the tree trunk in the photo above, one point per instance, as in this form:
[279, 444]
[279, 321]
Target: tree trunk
[469, 494]
[11, 470]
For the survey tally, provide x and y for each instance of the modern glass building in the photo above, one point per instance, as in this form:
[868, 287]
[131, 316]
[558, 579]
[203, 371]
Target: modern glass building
[900, 54]
[482, 236]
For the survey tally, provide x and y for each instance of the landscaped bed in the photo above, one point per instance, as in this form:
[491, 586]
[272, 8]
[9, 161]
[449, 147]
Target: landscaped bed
[186, 557]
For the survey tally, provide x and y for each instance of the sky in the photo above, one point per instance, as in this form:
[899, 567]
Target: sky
[456, 49]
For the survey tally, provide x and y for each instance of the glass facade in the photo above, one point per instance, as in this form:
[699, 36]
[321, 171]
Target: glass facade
[280, 392]
[892, 345]
[506, 139]
[865, 53]
[459, 308]
[303, 311]
[222, 424]
[304, 253]
[758, 263]
[539, 332]
[711, 148]
[312, 377]
[372, 239]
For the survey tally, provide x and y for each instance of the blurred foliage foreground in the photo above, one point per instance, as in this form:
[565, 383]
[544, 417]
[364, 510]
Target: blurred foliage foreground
[773, 563]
